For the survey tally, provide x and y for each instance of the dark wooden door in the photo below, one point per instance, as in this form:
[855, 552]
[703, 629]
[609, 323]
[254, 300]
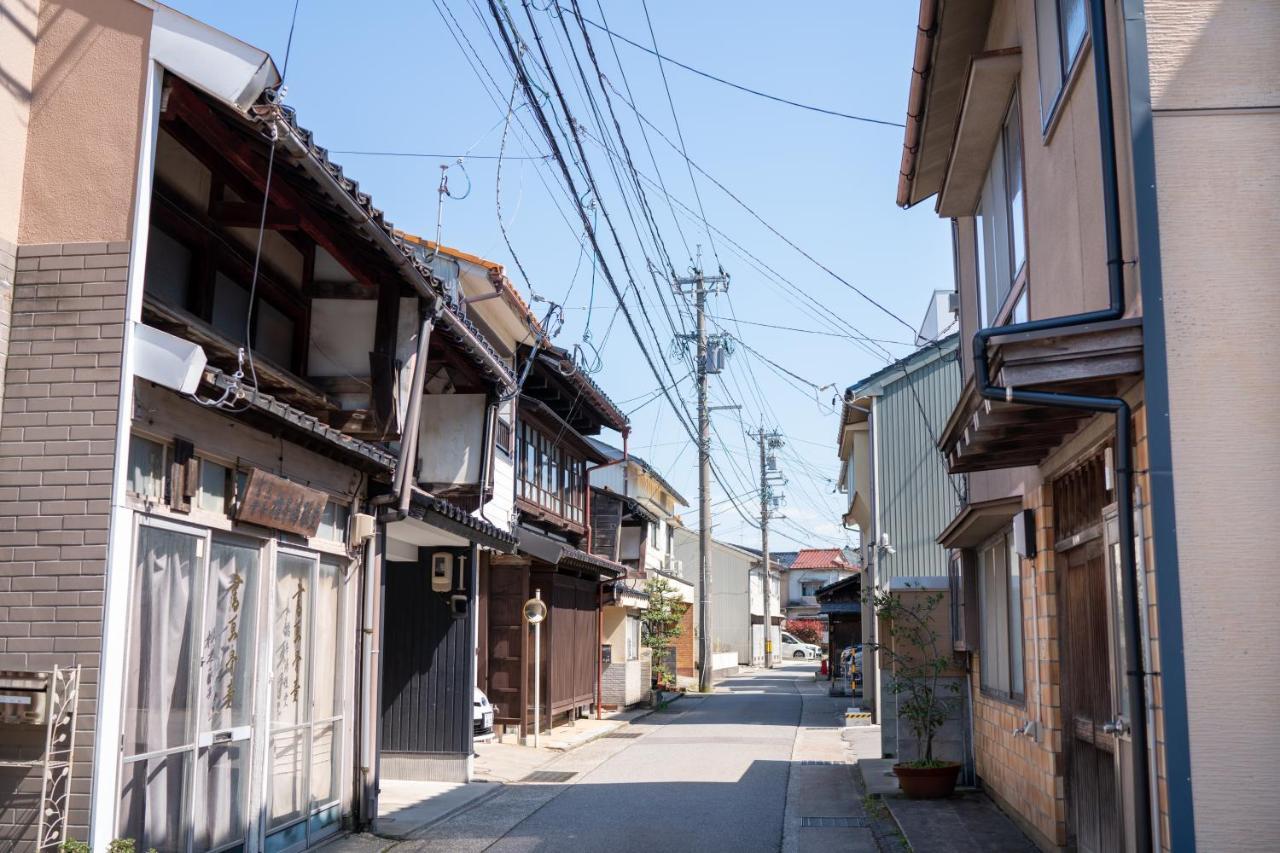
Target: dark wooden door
[1093, 795]
[508, 591]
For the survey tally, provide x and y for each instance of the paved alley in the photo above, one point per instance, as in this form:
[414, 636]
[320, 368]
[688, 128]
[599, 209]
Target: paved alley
[710, 773]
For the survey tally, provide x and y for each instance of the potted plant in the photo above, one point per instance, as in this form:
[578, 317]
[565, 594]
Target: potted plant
[919, 664]
[661, 623]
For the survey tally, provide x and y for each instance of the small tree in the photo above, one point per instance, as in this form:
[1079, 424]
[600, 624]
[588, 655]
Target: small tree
[661, 623]
[919, 661]
[805, 630]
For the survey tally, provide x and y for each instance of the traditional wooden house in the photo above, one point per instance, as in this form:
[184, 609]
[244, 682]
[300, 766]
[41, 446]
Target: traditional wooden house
[229, 394]
[558, 408]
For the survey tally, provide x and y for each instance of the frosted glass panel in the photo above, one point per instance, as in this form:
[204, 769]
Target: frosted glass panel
[228, 648]
[290, 626]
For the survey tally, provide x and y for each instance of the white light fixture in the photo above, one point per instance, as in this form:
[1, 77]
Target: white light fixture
[167, 359]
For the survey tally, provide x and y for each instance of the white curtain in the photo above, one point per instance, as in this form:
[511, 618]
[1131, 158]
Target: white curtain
[159, 712]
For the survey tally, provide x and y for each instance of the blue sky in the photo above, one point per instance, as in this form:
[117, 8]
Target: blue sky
[388, 76]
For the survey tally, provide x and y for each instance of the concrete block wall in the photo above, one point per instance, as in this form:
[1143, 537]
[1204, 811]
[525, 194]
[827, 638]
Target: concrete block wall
[57, 450]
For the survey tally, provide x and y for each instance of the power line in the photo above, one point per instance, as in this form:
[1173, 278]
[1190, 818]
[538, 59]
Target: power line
[735, 320]
[737, 86]
[426, 155]
[692, 165]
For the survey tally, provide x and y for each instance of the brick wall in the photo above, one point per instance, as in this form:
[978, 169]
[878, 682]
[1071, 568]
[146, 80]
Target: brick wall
[1147, 555]
[1027, 774]
[8, 264]
[57, 439]
[684, 645]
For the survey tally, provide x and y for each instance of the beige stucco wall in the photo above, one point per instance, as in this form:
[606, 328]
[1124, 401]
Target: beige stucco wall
[17, 57]
[85, 120]
[1218, 179]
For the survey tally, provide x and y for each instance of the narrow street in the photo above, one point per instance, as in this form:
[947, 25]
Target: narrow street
[710, 773]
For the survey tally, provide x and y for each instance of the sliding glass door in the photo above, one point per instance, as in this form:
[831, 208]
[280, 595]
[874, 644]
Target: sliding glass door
[306, 700]
[188, 734]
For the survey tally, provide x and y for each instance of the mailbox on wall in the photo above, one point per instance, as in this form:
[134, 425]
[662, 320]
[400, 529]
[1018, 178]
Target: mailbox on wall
[24, 697]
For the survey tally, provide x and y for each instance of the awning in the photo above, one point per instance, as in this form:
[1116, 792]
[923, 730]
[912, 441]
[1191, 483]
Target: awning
[431, 511]
[831, 608]
[562, 554]
[1100, 359]
[978, 522]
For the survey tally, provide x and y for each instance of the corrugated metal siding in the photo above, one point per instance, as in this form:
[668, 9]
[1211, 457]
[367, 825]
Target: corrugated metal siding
[917, 496]
[426, 665]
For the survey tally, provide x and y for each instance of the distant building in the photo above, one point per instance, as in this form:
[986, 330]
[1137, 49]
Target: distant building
[809, 570]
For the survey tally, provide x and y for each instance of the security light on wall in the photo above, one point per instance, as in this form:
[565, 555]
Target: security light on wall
[1024, 534]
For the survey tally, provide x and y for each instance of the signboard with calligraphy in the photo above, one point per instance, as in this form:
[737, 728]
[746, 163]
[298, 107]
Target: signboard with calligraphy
[606, 522]
[280, 504]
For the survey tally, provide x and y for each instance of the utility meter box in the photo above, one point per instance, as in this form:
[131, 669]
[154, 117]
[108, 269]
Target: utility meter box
[24, 697]
[442, 572]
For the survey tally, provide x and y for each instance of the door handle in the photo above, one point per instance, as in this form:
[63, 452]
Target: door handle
[1118, 726]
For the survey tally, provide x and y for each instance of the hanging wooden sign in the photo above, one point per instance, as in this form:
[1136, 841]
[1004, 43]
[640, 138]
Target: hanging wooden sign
[275, 502]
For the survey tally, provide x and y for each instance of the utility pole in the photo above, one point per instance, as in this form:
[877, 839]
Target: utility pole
[700, 285]
[768, 469]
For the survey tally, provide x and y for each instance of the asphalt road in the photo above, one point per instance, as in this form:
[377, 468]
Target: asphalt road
[712, 778]
[708, 774]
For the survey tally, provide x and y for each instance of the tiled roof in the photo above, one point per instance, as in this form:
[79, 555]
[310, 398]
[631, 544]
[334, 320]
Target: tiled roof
[821, 558]
[433, 510]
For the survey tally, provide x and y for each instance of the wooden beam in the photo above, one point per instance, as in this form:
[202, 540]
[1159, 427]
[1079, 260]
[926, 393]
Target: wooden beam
[244, 214]
[185, 106]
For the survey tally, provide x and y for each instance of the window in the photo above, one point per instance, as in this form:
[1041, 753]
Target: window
[333, 522]
[146, 468]
[1000, 228]
[810, 588]
[1000, 592]
[168, 268]
[633, 637]
[1060, 29]
[213, 487]
[550, 476]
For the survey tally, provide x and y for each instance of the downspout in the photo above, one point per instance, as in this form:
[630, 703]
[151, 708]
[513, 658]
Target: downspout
[368, 704]
[1113, 405]
[402, 485]
[626, 433]
[1164, 524]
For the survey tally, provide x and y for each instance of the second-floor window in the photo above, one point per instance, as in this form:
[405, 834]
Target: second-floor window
[549, 475]
[1001, 229]
[1060, 29]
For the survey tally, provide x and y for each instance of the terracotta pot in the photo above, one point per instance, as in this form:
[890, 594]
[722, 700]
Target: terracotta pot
[927, 783]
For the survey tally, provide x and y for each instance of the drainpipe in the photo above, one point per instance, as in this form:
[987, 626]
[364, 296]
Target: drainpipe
[626, 434]
[1116, 406]
[368, 662]
[402, 486]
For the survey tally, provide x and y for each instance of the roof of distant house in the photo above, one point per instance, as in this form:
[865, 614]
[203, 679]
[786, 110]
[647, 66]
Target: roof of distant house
[783, 558]
[821, 558]
[614, 453]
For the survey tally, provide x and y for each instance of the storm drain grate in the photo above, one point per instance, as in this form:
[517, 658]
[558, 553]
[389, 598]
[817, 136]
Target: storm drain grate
[822, 763]
[860, 822]
[550, 776]
[623, 735]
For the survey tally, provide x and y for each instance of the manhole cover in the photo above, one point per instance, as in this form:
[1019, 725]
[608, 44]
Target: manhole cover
[861, 822]
[822, 763]
[550, 776]
[623, 735]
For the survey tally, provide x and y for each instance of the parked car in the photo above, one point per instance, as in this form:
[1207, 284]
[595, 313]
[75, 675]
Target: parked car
[481, 713]
[793, 648]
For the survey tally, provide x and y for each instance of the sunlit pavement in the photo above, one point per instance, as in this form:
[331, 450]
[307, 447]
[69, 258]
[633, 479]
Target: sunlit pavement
[756, 766]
